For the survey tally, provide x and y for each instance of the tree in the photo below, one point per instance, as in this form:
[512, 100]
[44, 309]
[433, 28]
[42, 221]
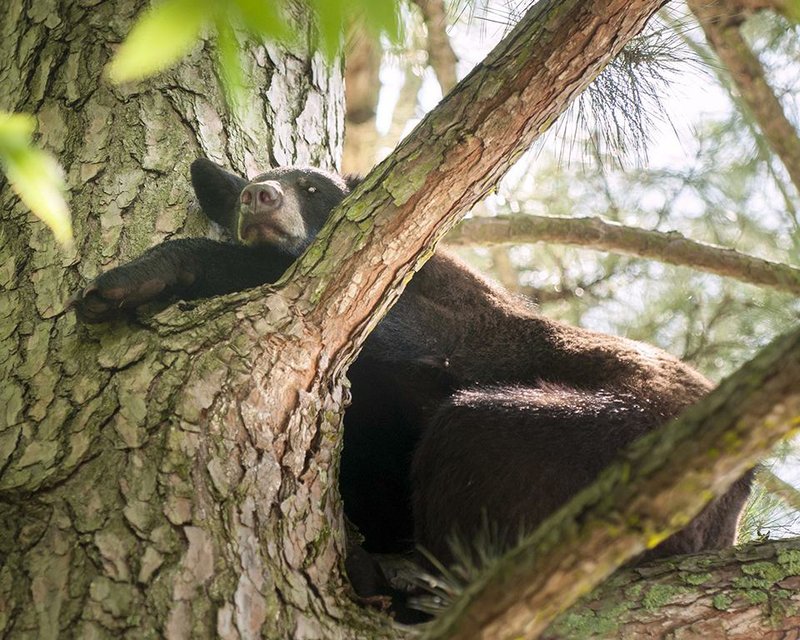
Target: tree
[176, 475]
[102, 529]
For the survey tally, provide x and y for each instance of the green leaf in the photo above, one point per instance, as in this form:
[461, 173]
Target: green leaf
[793, 10]
[230, 64]
[16, 129]
[159, 39]
[378, 16]
[381, 17]
[34, 175]
[169, 30]
[330, 22]
[264, 19]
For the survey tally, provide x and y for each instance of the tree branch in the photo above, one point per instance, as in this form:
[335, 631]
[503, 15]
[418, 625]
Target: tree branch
[786, 492]
[737, 594]
[658, 485]
[597, 233]
[454, 157]
[441, 56]
[721, 26]
[765, 152]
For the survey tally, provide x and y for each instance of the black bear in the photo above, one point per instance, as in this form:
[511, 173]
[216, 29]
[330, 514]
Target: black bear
[468, 407]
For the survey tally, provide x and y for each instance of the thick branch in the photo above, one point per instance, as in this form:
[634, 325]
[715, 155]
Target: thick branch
[656, 487]
[454, 157]
[441, 56]
[737, 594]
[723, 34]
[597, 233]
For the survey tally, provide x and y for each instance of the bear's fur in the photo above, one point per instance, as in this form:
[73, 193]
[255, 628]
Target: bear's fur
[525, 411]
[468, 406]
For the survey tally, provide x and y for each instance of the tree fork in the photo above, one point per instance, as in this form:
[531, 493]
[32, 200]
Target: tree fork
[179, 477]
[453, 158]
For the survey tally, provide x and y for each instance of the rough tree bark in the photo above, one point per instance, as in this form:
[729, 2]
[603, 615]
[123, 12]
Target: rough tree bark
[175, 476]
[133, 501]
[739, 594]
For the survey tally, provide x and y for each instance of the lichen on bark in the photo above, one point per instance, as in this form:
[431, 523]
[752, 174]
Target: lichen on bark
[742, 593]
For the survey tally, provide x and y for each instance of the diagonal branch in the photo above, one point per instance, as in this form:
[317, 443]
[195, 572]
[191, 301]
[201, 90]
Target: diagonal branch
[597, 233]
[451, 160]
[721, 26]
[764, 151]
[359, 263]
[660, 484]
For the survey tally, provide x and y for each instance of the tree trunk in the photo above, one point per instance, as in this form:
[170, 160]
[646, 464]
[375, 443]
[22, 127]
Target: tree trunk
[441, 57]
[132, 499]
[362, 82]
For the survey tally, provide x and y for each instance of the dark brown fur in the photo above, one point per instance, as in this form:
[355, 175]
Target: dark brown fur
[534, 410]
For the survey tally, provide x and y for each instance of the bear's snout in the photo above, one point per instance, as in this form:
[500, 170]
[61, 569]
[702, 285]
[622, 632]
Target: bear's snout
[262, 197]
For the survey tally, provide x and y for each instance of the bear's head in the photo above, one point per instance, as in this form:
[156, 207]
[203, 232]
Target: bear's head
[284, 208]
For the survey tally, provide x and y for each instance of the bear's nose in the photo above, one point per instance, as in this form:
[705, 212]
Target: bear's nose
[262, 196]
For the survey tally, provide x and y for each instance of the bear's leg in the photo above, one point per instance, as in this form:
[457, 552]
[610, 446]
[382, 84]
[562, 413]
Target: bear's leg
[188, 268]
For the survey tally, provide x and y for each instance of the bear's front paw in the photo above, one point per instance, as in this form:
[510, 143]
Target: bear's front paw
[113, 294]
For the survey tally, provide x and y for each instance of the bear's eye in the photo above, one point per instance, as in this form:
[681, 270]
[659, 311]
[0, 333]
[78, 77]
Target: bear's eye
[311, 189]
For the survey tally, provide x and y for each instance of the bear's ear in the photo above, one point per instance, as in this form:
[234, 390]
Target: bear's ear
[217, 191]
[352, 180]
